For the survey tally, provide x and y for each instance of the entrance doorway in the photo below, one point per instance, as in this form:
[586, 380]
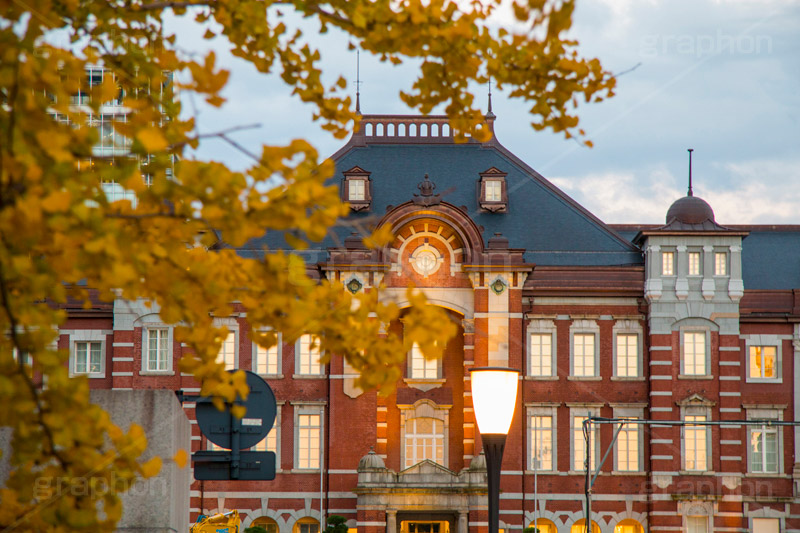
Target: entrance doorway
[414, 526]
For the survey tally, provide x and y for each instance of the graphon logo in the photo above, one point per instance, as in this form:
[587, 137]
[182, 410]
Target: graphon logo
[705, 45]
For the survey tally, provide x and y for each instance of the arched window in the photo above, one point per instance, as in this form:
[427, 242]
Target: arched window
[267, 523]
[544, 525]
[580, 527]
[424, 440]
[628, 525]
[306, 525]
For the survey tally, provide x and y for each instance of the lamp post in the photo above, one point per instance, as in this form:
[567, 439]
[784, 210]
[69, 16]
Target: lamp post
[494, 396]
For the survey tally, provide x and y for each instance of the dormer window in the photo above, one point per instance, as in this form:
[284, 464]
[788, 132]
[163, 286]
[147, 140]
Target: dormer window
[493, 191]
[357, 189]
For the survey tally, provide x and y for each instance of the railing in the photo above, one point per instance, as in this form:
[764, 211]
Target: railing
[405, 128]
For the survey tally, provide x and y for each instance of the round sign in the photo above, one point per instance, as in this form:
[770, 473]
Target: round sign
[219, 426]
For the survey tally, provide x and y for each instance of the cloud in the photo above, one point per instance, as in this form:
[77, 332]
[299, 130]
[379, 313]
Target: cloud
[759, 192]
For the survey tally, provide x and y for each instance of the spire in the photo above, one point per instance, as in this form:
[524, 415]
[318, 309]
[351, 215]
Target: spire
[489, 113]
[358, 82]
[690, 172]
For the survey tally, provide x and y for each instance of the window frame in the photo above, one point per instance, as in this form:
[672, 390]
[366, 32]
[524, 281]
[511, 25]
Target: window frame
[760, 412]
[412, 357]
[298, 359]
[668, 272]
[587, 328]
[765, 517]
[543, 328]
[698, 255]
[706, 333]
[764, 341]
[276, 431]
[88, 336]
[308, 409]
[542, 410]
[496, 176]
[696, 406]
[146, 329]
[632, 412]
[725, 264]
[357, 174]
[257, 353]
[425, 409]
[223, 360]
[582, 411]
[628, 328]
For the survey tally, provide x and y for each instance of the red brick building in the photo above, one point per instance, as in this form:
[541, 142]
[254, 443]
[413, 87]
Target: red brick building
[688, 321]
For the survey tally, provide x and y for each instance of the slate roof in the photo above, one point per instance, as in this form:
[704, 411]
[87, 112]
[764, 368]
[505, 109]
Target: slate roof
[550, 226]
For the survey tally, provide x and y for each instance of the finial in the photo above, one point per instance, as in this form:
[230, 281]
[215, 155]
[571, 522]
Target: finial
[490, 96]
[358, 82]
[690, 171]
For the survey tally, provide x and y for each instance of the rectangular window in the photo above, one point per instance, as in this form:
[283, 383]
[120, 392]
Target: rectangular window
[422, 368]
[766, 525]
[308, 528]
[694, 353]
[227, 352]
[157, 349]
[266, 360]
[541, 440]
[424, 440]
[88, 357]
[308, 356]
[628, 448]
[541, 354]
[697, 524]
[763, 362]
[583, 354]
[720, 264]
[356, 190]
[627, 355]
[494, 190]
[694, 263]
[695, 444]
[308, 441]
[668, 263]
[764, 449]
[268, 443]
[579, 445]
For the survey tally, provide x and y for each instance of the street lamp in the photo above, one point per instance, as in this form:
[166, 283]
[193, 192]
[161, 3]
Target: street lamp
[494, 396]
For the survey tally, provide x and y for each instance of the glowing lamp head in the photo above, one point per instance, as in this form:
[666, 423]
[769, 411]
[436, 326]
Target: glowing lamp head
[494, 396]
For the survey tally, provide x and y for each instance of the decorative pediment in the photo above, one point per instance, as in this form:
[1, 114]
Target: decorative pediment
[493, 171]
[696, 400]
[426, 468]
[356, 170]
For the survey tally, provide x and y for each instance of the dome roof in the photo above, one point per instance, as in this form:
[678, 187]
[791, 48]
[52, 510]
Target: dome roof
[371, 461]
[690, 210]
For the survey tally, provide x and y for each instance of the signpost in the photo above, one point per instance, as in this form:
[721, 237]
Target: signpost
[235, 435]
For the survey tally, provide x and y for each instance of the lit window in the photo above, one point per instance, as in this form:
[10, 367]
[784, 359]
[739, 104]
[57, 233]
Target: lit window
[628, 448]
[268, 443]
[543, 525]
[695, 444]
[422, 368]
[668, 263]
[356, 190]
[424, 440]
[694, 263]
[764, 449]
[697, 524]
[541, 354]
[227, 352]
[583, 352]
[493, 190]
[579, 445]
[766, 525]
[627, 355]
[266, 361]
[267, 523]
[308, 441]
[580, 527]
[158, 356]
[720, 264]
[308, 355]
[88, 358]
[694, 353]
[541, 440]
[306, 525]
[763, 361]
[628, 526]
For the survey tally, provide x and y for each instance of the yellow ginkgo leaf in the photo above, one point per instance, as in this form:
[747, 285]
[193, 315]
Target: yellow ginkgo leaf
[152, 467]
[152, 139]
[181, 458]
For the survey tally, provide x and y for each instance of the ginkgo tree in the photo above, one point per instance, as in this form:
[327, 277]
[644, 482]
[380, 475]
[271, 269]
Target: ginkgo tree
[62, 238]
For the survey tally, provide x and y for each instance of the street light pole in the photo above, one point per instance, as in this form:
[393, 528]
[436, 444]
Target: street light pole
[494, 396]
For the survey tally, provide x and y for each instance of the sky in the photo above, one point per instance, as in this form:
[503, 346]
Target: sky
[719, 76]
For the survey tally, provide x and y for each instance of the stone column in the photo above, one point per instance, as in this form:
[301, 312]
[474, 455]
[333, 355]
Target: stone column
[708, 287]
[463, 521]
[391, 520]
